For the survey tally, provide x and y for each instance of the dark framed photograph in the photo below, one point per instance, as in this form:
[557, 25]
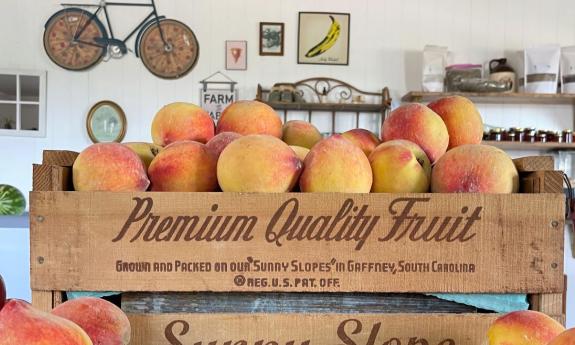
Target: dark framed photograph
[237, 55]
[271, 39]
[323, 38]
[106, 122]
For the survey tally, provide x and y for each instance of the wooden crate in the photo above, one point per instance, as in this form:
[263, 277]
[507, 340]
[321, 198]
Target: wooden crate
[298, 268]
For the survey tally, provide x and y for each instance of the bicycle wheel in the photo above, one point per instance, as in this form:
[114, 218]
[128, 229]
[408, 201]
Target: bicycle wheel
[63, 49]
[177, 58]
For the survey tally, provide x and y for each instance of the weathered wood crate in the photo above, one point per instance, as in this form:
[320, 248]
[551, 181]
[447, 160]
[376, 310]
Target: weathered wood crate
[295, 268]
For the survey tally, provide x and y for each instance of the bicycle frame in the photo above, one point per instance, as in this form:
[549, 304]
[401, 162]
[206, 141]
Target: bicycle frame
[104, 6]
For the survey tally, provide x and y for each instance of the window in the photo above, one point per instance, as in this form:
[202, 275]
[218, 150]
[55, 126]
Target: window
[22, 103]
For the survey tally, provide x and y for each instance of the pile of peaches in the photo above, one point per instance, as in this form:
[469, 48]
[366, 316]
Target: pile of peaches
[433, 148]
[82, 321]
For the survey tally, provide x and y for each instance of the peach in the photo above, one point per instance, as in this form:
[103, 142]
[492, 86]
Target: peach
[219, 142]
[565, 338]
[300, 152]
[336, 165]
[300, 133]
[525, 327]
[146, 151]
[463, 121]
[104, 323]
[362, 138]
[182, 121]
[474, 169]
[250, 117]
[258, 163]
[416, 122]
[184, 166]
[20, 324]
[400, 166]
[109, 167]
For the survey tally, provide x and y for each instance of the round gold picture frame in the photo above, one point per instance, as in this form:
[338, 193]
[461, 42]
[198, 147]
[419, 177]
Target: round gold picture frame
[106, 122]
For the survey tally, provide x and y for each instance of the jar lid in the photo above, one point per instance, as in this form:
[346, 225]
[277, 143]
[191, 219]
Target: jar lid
[567, 131]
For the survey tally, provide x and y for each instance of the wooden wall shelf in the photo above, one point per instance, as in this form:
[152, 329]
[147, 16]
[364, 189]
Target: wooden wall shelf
[493, 97]
[524, 146]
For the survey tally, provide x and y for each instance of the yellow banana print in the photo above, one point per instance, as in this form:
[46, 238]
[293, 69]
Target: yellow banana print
[328, 41]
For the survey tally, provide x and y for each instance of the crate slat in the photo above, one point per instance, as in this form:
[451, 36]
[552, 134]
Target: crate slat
[273, 302]
[515, 246]
[309, 329]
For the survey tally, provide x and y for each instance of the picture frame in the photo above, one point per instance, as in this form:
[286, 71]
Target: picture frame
[106, 122]
[236, 55]
[272, 37]
[323, 38]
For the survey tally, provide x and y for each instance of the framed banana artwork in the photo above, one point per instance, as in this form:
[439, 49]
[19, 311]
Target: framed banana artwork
[323, 38]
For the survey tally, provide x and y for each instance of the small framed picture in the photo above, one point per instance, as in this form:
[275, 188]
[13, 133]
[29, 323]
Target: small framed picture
[272, 39]
[106, 122]
[323, 38]
[237, 55]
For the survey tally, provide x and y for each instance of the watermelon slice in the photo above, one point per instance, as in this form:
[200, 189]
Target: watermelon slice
[12, 201]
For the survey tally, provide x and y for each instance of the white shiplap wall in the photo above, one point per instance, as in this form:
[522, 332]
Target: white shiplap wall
[386, 39]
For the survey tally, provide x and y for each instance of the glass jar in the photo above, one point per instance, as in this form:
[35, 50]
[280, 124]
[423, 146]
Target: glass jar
[567, 136]
[495, 134]
[530, 136]
[519, 133]
[551, 137]
[542, 137]
[511, 136]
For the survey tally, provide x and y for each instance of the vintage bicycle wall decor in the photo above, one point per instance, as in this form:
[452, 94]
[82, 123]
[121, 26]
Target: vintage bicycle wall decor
[76, 39]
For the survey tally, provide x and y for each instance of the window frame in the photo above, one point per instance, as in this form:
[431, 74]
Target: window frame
[41, 132]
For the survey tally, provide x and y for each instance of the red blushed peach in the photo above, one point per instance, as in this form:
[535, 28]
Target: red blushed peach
[109, 167]
[463, 121]
[524, 327]
[336, 165]
[400, 166]
[182, 121]
[219, 142]
[417, 123]
[362, 138]
[250, 117]
[565, 338]
[474, 169]
[184, 166]
[104, 323]
[258, 163]
[300, 133]
[22, 324]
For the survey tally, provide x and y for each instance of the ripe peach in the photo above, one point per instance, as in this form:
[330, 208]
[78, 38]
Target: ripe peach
[336, 165]
[474, 169]
[300, 133]
[182, 121]
[565, 338]
[400, 166]
[525, 327]
[362, 138]
[300, 152]
[104, 323]
[250, 117]
[416, 122]
[20, 324]
[184, 166]
[146, 151]
[109, 167]
[258, 163]
[219, 142]
[463, 121]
